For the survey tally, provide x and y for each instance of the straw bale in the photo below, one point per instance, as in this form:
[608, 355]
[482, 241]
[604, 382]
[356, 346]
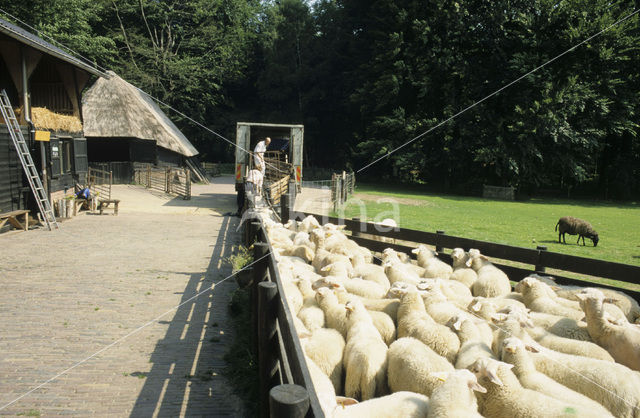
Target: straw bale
[43, 118]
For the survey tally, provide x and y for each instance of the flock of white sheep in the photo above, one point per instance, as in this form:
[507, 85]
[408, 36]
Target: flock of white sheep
[418, 338]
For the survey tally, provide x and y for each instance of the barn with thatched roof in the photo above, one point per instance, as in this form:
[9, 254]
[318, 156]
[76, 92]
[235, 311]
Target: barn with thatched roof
[43, 84]
[123, 125]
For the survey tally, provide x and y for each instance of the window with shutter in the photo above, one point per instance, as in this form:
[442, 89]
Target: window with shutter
[80, 159]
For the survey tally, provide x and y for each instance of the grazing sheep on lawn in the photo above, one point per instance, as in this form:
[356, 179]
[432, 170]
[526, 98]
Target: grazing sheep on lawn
[574, 226]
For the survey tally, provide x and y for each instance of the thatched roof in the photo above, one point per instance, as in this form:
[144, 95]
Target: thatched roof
[114, 108]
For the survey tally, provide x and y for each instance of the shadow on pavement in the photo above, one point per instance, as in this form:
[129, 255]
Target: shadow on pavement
[186, 376]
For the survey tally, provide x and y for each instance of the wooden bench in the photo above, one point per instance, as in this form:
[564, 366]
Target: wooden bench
[103, 204]
[12, 218]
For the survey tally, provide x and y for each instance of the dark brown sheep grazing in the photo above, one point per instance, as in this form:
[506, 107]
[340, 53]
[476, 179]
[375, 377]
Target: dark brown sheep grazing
[572, 226]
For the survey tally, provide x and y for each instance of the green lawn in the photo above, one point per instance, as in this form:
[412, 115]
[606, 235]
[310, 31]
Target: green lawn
[519, 223]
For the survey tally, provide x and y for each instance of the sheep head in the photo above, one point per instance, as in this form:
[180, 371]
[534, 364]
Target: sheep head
[487, 369]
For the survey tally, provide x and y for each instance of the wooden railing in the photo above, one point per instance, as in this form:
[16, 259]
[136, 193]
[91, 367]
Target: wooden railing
[540, 259]
[169, 180]
[100, 182]
[282, 367]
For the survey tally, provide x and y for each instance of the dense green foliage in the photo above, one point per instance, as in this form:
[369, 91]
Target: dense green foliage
[367, 76]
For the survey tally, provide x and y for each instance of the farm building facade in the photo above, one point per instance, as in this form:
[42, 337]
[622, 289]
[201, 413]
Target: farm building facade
[124, 126]
[43, 84]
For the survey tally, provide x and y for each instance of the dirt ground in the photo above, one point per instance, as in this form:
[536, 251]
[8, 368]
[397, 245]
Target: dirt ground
[121, 315]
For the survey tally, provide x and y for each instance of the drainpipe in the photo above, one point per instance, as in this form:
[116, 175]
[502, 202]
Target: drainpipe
[32, 128]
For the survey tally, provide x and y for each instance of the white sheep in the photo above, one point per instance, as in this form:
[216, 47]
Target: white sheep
[334, 312]
[310, 312]
[455, 396]
[472, 346]
[355, 286]
[365, 355]
[326, 348]
[455, 292]
[368, 271]
[621, 341]
[628, 305]
[515, 326]
[558, 325]
[388, 305]
[414, 321]
[611, 384]
[462, 271]
[308, 224]
[514, 352]
[389, 254]
[432, 265]
[302, 251]
[397, 271]
[540, 298]
[505, 396]
[383, 322]
[400, 404]
[491, 280]
[411, 364]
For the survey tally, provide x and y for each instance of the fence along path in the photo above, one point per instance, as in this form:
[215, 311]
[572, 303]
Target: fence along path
[283, 368]
[539, 258]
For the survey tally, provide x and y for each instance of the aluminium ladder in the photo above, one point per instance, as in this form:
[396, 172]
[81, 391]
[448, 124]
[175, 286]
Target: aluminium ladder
[27, 162]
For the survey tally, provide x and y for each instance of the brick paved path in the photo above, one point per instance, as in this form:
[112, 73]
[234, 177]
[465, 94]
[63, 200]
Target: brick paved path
[68, 294]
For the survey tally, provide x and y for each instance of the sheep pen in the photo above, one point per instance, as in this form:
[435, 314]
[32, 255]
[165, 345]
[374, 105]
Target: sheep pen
[343, 276]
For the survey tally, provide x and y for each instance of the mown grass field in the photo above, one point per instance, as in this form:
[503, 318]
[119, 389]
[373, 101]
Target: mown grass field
[519, 223]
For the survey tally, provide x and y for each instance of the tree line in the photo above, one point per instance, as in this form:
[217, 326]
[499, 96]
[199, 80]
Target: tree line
[367, 76]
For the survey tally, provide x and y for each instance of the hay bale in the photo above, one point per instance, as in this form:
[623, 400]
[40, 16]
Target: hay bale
[43, 118]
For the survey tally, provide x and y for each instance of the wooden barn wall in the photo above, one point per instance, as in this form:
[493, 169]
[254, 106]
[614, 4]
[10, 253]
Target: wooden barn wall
[67, 180]
[13, 194]
[168, 158]
[143, 151]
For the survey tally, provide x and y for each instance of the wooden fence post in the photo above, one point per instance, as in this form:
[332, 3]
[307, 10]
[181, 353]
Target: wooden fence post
[288, 401]
[148, 176]
[267, 296]
[187, 186]
[439, 248]
[539, 267]
[260, 272]
[284, 208]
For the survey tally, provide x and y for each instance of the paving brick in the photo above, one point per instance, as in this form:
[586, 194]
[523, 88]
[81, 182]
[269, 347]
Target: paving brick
[70, 293]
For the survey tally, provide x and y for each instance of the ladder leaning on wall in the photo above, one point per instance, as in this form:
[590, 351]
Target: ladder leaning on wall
[27, 162]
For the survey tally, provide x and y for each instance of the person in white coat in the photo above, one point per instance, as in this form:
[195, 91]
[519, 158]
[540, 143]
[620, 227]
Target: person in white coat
[258, 154]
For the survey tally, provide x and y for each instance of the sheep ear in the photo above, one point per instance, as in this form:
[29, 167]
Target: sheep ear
[415, 250]
[476, 306]
[484, 257]
[477, 387]
[510, 348]
[493, 377]
[326, 268]
[531, 348]
[499, 317]
[457, 324]
[334, 285]
[349, 306]
[344, 401]
[340, 227]
[442, 376]
[424, 286]
[581, 296]
[610, 300]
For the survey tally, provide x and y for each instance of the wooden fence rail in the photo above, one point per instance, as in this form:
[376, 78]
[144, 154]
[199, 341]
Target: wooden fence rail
[169, 180]
[539, 257]
[285, 383]
[281, 358]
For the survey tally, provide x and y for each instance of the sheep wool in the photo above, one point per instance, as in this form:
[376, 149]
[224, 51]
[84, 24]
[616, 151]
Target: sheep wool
[411, 364]
[400, 404]
[575, 226]
[414, 321]
[455, 397]
[514, 352]
[365, 355]
[621, 341]
[506, 398]
[326, 348]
